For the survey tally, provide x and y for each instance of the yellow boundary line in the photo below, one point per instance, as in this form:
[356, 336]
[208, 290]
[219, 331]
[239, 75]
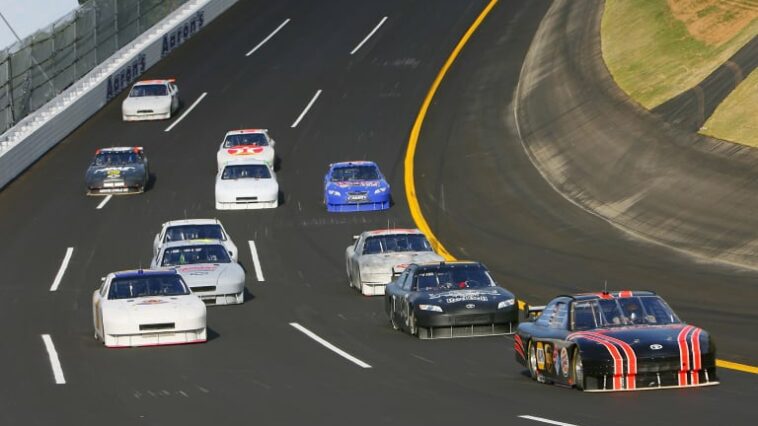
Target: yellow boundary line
[410, 153]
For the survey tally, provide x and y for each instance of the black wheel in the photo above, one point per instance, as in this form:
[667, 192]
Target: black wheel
[412, 326]
[394, 323]
[577, 370]
[531, 360]
[349, 277]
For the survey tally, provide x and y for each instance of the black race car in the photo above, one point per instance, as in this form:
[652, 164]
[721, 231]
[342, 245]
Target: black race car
[626, 340]
[449, 299]
[118, 170]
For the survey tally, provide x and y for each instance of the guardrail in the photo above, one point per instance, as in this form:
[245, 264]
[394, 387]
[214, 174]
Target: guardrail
[32, 137]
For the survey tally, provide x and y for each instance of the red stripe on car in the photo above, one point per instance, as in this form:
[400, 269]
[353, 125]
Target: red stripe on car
[684, 355]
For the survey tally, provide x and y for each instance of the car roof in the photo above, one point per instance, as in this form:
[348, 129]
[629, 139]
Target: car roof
[244, 161]
[181, 222]
[156, 81]
[198, 242]
[143, 272]
[353, 163]
[392, 231]
[246, 131]
[120, 149]
[609, 295]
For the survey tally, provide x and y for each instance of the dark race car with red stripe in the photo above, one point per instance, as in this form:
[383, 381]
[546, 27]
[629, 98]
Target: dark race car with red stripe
[619, 341]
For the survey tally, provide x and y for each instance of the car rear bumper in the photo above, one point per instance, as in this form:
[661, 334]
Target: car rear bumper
[358, 207]
[116, 190]
[221, 298]
[434, 325]
[146, 116]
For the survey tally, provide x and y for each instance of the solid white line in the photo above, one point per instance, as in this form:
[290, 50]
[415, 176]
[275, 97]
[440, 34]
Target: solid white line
[54, 361]
[194, 104]
[286, 21]
[548, 421]
[307, 107]
[329, 346]
[62, 269]
[256, 261]
[369, 35]
[104, 202]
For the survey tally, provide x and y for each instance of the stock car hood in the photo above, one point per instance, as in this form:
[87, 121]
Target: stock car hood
[651, 341]
[147, 102]
[360, 185]
[463, 300]
[101, 173]
[210, 274]
[384, 262]
[264, 153]
[155, 309]
[231, 188]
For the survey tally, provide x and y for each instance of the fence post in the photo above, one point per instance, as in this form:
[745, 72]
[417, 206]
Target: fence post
[115, 22]
[9, 89]
[139, 21]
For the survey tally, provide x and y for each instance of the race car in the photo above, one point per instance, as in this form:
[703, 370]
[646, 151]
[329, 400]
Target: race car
[449, 299]
[194, 229]
[248, 143]
[246, 184]
[147, 308]
[370, 259]
[355, 186]
[117, 170]
[207, 269]
[614, 341]
[151, 100]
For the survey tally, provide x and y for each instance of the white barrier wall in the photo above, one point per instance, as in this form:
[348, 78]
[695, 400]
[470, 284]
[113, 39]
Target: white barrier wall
[32, 137]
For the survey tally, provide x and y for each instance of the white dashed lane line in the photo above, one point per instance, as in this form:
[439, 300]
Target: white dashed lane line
[256, 261]
[376, 28]
[286, 21]
[547, 421]
[55, 363]
[62, 269]
[104, 202]
[307, 107]
[181, 117]
[329, 346]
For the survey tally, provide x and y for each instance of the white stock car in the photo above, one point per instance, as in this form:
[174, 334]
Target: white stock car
[374, 254]
[147, 308]
[246, 184]
[207, 269]
[246, 143]
[194, 229]
[151, 100]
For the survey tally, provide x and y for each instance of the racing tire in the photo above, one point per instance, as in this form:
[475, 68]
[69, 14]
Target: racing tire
[412, 326]
[577, 370]
[395, 325]
[531, 360]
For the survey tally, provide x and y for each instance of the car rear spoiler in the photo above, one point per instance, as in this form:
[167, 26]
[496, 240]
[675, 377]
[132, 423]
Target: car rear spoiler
[398, 269]
[534, 311]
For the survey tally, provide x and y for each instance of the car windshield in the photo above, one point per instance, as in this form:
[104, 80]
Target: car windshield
[246, 171]
[119, 158]
[452, 277]
[624, 311]
[255, 139]
[355, 173]
[148, 90]
[147, 285]
[194, 232]
[396, 243]
[187, 255]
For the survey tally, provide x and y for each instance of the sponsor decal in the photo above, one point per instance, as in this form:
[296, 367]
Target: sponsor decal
[540, 356]
[548, 356]
[557, 361]
[470, 306]
[114, 173]
[152, 302]
[466, 298]
[179, 35]
[198, 268]
[565, 362]
[122, 78]
[245, 150]
[656, 347]
[365, 183]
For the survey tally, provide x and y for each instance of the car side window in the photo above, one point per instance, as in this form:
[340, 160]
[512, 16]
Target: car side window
[544, 319]
[103, 288]
[559, 318]
[407, 281]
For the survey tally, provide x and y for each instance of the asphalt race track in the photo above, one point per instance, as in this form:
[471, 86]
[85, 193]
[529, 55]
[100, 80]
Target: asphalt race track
[478, 189]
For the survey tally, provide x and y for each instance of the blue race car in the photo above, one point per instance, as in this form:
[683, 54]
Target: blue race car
[355, 186]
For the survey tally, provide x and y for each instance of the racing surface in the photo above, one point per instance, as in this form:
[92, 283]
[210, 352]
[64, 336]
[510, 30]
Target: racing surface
[256, 367]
